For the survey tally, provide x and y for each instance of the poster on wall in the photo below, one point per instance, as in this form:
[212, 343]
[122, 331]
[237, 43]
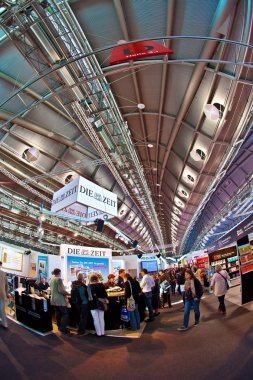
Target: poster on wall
[32, 270]
[12, 259]
[88, 266]
[42, 267]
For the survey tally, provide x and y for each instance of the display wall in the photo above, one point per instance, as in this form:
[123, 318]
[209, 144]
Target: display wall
[228, 259]
[246, 268]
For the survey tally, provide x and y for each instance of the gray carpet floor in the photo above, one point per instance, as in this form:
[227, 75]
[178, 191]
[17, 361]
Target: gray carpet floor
[219, 348]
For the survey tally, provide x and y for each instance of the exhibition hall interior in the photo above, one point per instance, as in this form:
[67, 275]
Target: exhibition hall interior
[126, 189]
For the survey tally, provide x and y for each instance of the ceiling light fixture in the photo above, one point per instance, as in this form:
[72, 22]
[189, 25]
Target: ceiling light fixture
[214, 111]
[184, 193]
[31, 154]
[198, 154]
[141, 106]
[190, 178]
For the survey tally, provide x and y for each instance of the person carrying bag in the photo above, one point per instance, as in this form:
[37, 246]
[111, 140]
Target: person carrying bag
[97, 300]
[132, 291]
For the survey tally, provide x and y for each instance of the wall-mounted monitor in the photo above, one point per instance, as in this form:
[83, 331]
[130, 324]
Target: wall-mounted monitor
[150, 265]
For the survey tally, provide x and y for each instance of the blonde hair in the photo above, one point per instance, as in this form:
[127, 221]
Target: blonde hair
[218, 268]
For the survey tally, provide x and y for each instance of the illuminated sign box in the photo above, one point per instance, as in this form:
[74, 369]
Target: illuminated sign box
[72, 198]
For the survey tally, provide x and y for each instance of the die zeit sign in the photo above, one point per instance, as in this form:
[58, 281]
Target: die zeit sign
[80, 193]
[137, 50]
[76, 250]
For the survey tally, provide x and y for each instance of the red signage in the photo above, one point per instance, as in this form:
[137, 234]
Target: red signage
[137, 50]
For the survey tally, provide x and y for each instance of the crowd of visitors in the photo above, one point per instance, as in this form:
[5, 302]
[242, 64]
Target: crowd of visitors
[156, 290]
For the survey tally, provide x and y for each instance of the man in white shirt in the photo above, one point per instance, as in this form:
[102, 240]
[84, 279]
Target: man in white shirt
[147, 283]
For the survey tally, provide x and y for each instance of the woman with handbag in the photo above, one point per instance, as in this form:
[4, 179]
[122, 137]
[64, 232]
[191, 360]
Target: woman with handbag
[132, 294]
[98, 301]
[220, 282]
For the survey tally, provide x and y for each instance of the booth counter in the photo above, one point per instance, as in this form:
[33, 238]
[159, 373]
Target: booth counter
[33, 312]
[36, 312]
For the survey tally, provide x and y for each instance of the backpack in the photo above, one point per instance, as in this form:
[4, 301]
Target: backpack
[75, 294]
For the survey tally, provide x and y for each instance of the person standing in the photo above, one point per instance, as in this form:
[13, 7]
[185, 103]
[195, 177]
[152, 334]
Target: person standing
[193, 294]
[156, 296]
[79, 300]
[173, 281]
[220, 283]
[58, 300]
[147, 283]
[133, 288]
[3, 296]
[120, 280]
[164, 283]
[96, 293]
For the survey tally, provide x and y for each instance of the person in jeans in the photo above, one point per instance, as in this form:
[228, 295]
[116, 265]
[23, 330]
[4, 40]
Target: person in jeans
[80, 304]
[132, 287]
[3, 296]
[220, 282]
[147, 283]
[193, 294]
[58, 300]
[97, 290]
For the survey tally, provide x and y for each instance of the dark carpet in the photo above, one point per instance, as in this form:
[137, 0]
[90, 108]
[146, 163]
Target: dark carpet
[219, 348]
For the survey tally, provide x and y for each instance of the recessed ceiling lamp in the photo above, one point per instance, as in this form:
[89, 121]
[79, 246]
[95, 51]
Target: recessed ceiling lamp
[176, 210]
[68, 179]
[179, 203]
[211, 112]
[141, 106]
[189, 178]
[31, 154]
[175, 217]
[184, 193]
[154, 169]
[159, 195]
[50, 134]
[158, 184]
[198, 154]
[150, 145]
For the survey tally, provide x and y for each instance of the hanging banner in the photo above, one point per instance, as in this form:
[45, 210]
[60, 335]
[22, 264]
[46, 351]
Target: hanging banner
[80, 193]
[136, 50]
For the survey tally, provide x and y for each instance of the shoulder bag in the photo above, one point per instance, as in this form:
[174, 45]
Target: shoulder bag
[226, 281]
[130, 300]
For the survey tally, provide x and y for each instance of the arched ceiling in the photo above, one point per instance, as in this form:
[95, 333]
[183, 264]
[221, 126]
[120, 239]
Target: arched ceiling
[167, 161]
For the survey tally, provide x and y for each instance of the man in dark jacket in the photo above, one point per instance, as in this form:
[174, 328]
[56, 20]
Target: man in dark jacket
[120, 280]
[132, 288]
[79, 299]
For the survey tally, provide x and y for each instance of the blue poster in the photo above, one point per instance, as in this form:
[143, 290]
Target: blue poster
[88, 266]
[42, 267]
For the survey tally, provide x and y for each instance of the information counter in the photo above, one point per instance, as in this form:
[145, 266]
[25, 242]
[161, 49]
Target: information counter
[36, 312]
